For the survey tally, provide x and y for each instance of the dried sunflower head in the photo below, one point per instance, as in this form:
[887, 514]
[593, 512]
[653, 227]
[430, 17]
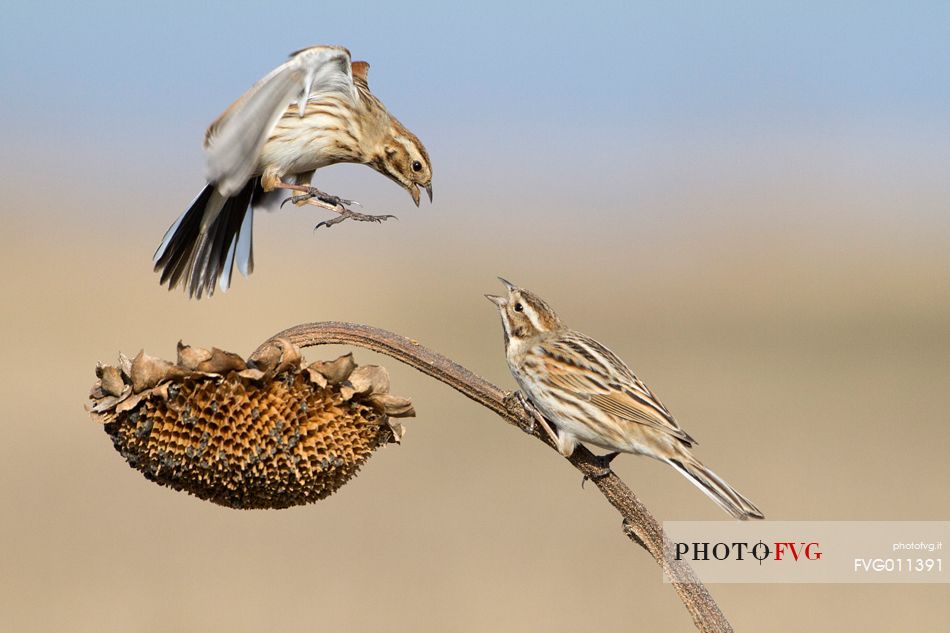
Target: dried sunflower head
[266, 433]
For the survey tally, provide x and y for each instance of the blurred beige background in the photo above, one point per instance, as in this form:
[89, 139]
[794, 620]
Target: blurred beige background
[770, 255]
[811, 365]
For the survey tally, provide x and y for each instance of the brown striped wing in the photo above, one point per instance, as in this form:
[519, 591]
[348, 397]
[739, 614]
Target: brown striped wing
[581, 365]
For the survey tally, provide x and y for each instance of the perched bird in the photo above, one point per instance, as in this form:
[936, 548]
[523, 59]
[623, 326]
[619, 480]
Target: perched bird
[591, 396]
[312, 111]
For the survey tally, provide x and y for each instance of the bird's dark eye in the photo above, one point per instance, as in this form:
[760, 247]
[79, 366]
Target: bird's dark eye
[416, 166]
[519, 307]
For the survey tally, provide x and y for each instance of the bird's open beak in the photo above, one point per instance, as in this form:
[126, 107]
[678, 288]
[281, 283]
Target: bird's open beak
[414, 192]
[501, 302]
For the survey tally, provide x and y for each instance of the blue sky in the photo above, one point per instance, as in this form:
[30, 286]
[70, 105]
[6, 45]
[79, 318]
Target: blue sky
[703, 59]
[492, 85]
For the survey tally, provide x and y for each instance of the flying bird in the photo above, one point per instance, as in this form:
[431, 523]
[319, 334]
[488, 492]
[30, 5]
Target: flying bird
[590, 395]
[314, 110]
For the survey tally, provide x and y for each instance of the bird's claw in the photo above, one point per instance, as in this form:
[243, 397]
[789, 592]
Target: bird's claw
[346, 214]
[332, 203]
[604, 461]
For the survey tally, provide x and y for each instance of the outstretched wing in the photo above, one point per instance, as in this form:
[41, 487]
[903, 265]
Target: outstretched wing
[234, 141]
[591, 372]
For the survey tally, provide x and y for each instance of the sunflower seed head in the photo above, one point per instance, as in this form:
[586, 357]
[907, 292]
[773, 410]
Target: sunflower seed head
[267, 433]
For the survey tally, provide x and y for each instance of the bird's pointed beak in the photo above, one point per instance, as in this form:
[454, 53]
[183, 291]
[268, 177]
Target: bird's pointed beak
[414, 192]
[501, 302]
[508, 285]
[429, 191]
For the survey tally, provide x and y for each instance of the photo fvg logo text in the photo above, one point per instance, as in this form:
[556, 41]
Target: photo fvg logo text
[811, 551]
[741, 550]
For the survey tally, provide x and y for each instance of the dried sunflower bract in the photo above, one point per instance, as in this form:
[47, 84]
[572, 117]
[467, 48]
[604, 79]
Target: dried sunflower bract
[266, 433]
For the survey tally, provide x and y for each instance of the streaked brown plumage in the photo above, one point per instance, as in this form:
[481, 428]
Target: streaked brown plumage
[590, 395]
[312, 111]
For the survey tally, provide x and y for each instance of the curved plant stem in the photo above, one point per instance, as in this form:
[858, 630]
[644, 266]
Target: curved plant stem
[638, 524]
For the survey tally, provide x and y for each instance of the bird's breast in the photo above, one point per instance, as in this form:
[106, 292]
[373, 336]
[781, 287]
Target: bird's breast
[323, 136]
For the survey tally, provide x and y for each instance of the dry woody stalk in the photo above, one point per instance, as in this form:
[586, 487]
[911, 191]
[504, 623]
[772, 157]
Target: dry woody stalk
[269, 432]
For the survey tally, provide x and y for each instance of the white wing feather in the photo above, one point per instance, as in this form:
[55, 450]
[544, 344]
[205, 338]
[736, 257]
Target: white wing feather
[235, 140]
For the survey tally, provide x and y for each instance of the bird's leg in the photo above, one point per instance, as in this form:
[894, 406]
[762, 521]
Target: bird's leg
[539, 418]
[312, 195]
[309, 193]
[304, 196]
[533, 414]
[604, 461]
[313, 192]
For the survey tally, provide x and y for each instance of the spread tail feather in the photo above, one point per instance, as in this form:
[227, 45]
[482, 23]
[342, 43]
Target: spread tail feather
[199, 250]
[724, 495]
